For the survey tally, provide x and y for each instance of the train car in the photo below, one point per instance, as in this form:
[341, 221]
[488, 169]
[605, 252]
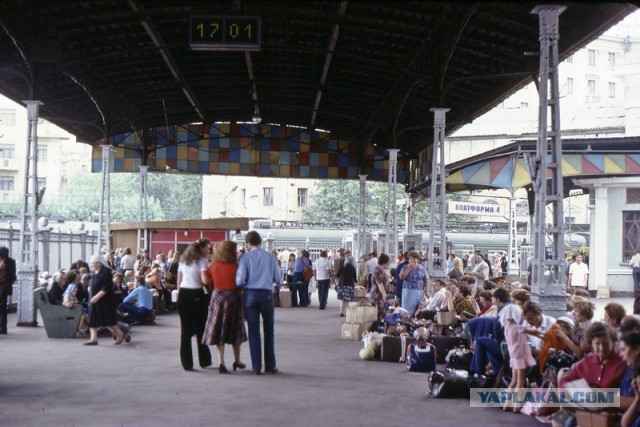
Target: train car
[334, 238]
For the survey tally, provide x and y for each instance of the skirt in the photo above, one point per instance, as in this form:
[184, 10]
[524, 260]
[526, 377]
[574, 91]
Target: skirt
[345, 293]
[225, 324]
[525, 363]
[104, 312]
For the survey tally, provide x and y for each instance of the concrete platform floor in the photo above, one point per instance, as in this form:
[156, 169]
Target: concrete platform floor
[60, 382]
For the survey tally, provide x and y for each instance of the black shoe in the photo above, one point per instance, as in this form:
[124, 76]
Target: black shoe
[205, 366]
[188, 369]
[223, 369]
[257, 372]
[238, 365]
[342, 315]
[272, 371]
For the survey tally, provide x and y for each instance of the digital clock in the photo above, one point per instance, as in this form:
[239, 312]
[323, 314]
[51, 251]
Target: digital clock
[224, 32]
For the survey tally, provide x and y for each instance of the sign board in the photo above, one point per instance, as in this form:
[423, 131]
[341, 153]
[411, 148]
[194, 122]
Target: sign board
[226, 33]
[477, 209]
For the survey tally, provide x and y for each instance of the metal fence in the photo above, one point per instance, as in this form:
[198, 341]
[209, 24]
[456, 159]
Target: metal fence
[56, 248]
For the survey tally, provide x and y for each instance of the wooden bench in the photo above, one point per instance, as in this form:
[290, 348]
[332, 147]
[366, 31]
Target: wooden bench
[59, 321]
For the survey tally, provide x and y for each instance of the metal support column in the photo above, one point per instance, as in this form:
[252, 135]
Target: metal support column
[27, 259]
[392, 220]
[410, 216]
[512, 257]
[549, 288]
[437, 230]
[362, 207]
[104, 236]
[144, 211]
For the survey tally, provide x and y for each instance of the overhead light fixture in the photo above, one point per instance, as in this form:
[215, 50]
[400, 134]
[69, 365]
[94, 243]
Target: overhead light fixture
[256, 116]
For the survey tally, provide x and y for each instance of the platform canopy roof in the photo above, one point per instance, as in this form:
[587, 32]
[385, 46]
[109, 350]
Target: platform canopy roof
[364, 70]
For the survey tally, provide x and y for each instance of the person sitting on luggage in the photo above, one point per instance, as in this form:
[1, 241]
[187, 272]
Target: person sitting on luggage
[138, 304]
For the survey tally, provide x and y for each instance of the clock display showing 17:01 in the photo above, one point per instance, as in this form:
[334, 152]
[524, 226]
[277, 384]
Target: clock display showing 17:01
[224, 33]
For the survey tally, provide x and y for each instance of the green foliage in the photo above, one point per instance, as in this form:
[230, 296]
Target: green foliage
[170, 197]
[337, 201]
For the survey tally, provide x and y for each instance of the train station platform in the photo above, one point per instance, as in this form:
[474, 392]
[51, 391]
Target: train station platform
[322, 382]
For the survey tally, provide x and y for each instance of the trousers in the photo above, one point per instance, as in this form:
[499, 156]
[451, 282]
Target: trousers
[193, 306]
[259, 303]
[323, 292]
[411, 299]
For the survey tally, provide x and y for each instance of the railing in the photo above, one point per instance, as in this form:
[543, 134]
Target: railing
[56, 249]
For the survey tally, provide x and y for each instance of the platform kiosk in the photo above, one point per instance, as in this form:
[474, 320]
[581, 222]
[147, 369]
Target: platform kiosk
[410, 241]
[351, 240]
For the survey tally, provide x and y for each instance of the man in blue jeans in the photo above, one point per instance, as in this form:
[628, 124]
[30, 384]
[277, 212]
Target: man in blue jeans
[257, 272]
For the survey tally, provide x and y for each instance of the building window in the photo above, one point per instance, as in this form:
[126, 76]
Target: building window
[592, 57]
[630, 233]
[302, 197]
[612, 90]
[42, 183]
[7, 151]
[7, 117]
[633, 195]
[42, 153]
[570, 86]
[591, 85]
[570, 59]
[6, 183]
[612, 59]
[267, 199]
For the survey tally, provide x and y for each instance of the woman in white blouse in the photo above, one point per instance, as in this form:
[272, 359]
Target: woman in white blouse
[193, 303]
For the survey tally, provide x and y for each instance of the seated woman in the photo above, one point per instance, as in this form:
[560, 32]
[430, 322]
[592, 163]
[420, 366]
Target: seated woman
[520, 297]
[462, 302]
[487, 309]
[613, 315]
[583, 312]
[69, 301]
[631, 417]
[630, 352]
[604, 368]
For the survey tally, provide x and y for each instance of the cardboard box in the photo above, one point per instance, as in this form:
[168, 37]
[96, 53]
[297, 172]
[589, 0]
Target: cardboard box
[360, 292]
[361, 314]
[596, 419]
[285, 298]
[445, 317]
[354, 331]
[603, 292]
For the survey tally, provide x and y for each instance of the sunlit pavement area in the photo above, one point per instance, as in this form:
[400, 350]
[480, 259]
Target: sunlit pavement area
[322, 381]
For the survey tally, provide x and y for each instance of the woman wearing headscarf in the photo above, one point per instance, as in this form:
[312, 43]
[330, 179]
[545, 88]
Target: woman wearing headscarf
[103, 304]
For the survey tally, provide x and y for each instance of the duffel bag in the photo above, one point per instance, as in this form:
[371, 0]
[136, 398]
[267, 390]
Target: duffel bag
[458, 359]
[447, 384]
[421, 356]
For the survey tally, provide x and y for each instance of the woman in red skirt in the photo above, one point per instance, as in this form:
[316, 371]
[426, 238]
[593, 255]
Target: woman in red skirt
[225, 324]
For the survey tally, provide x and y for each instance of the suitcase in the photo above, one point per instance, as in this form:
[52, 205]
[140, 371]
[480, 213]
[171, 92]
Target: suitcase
[354, 331]
[421, 356]
[444, 344]
[285, 298]
[391, 348]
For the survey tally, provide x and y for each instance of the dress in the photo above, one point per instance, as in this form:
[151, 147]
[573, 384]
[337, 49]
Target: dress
[225, 321]
[379, 276]
[102, 313]
[347, 282]
[519, 350]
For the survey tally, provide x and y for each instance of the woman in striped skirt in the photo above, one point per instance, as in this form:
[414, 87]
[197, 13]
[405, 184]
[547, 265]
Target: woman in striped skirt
[225, 324]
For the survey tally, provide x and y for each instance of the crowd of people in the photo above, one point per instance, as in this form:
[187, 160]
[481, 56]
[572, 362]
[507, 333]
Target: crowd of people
[214, 299]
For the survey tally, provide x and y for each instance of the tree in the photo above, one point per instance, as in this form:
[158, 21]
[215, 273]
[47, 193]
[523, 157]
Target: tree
[337, 201]
[169, 197]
